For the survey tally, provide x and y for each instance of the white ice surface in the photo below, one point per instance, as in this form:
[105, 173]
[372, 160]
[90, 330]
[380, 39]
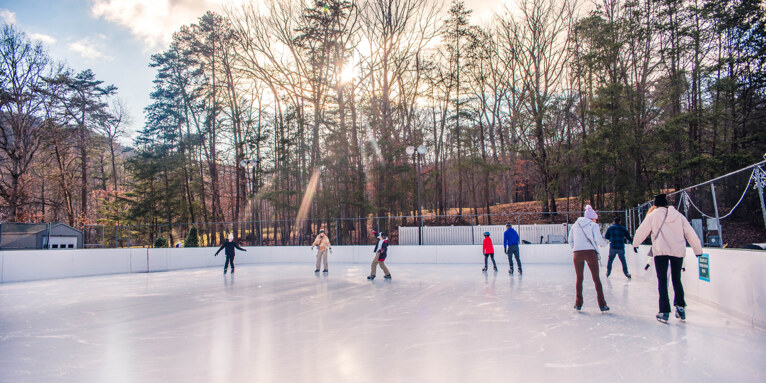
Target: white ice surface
[431, 323]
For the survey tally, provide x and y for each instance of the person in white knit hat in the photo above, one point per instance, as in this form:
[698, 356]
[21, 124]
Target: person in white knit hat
[585, 239]
[229, 245]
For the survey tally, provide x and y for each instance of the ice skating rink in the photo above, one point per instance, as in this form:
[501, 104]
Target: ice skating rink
[431, 323]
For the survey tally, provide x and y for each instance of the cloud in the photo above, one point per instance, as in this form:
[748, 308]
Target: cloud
[7, 16]
[88, 50]
[43, 37]
[153, 21]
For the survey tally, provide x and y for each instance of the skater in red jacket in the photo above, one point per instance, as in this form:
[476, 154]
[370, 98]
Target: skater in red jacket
[489, 251]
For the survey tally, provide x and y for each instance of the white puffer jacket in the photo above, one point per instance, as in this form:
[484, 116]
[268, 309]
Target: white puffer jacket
[585, 235]
[673, 236]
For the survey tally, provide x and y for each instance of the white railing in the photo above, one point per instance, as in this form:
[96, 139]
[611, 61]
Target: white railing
[470, 235]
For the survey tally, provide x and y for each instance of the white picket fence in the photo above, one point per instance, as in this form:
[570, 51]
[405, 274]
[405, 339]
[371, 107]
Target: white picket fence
[470, 235]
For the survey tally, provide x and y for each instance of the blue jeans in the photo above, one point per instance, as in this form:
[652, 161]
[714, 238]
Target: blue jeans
[621, 254]
[513, 250]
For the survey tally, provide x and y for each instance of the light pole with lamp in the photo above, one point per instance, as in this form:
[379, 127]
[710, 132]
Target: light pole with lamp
[250, 166]
[421, 150]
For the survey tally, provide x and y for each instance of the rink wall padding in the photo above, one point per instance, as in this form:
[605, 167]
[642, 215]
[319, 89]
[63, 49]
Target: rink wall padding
[736, 285]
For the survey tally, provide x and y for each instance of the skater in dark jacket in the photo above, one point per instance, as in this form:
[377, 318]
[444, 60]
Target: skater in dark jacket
[511, 246]
[616, 235]
[489, 251]
[229, 245]
[381, 252]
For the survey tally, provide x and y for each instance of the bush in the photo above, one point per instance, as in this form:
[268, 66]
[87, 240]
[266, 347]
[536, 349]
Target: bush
[161, 242]
[192, 240]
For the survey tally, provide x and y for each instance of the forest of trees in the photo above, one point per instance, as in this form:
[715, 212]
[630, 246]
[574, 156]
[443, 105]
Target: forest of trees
[608, 101]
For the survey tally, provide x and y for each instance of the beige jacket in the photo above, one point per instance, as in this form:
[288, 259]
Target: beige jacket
[673, 236]
[322, 241]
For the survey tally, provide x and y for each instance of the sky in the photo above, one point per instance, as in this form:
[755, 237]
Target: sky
[115, 38]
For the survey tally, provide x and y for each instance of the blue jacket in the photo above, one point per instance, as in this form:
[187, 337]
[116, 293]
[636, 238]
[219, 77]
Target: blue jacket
[510, 237]
[616, 234]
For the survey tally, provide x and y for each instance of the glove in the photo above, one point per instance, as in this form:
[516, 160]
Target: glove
[505, 249]
[635, 250]
[312, 247]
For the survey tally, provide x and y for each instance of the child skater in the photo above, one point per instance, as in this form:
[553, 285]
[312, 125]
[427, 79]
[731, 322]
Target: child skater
[381, 252]
[229, 245]
[489, 251]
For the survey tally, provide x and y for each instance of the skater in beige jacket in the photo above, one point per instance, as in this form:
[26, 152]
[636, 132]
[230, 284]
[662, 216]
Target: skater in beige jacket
[323, 243]
[670, 231]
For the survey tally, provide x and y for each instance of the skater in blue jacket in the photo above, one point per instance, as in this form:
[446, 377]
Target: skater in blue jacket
[511, 246]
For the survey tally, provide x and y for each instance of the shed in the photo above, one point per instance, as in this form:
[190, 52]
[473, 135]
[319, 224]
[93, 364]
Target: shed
[35, 236]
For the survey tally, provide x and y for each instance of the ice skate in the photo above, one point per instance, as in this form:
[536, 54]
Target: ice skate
[510, 271]
[371, 277]
[680, 313]
[232, 270]
[495, 269]
[519, 270]
[604, 308]
[224, 271]
[608, 272]
[484, 269]
[387, 276]
[628, 276]
[663, 317]
[316, 271]
[578, 308]
[324, 271]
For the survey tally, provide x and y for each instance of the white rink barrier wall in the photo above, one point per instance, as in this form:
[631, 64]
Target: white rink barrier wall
[737, 285]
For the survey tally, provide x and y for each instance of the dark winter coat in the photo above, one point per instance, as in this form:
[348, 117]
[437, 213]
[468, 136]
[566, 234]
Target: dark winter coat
[383, 251]
[616, 234]
[229, 246]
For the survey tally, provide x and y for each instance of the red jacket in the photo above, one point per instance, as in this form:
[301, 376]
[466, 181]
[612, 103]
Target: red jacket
[487, 247]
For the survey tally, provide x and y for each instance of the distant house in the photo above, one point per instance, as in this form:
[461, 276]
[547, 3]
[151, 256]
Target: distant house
[36, 236]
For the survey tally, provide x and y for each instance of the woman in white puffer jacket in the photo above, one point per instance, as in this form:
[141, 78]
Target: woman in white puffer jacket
[670, 231]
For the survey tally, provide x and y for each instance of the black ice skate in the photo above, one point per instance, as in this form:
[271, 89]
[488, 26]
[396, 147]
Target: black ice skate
[325, 271]
[495, 269]
[484, 269]
[628, 276]
[510, 271]
[663, 317]
[316, 271]
[680, 313]
[578, 308]
[604, 308]
[371, 277]
[387, 276]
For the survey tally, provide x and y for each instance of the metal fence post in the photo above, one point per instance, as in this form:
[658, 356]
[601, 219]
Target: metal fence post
[718, 221]
[760, 177]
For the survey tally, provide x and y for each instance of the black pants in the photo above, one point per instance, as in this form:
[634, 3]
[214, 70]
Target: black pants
[661, 265]
[493, 260]
[229, 260]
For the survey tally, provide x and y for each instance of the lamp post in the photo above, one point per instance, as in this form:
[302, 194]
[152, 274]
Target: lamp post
[421, 150]
[250, 165]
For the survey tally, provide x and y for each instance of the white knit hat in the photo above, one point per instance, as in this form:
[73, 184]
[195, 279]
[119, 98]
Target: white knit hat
[590, 213]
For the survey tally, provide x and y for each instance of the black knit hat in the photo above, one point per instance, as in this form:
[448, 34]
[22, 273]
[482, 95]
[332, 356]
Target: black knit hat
[661, 200]
[507, 224]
